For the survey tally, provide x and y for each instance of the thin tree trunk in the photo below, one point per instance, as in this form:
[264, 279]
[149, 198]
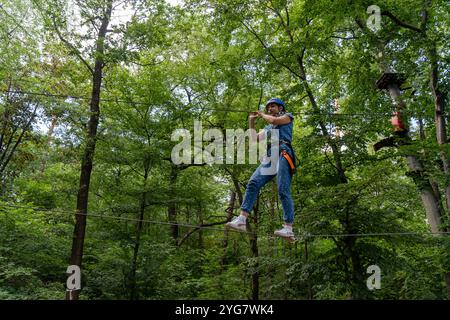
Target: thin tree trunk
[5, 116]
[355, 274]
[229, 211]
[447, 281]
[52, 126]
[89, 151]
[133, 290]
[308, 281]
[255, 253]
[421, 129]
[172, 209]
[236, 184]
[200, 230]
[49, 137]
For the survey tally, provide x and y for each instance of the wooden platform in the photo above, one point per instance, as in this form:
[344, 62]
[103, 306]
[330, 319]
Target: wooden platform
[390, 78]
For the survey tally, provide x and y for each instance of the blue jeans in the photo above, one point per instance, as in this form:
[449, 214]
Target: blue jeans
[284, 178]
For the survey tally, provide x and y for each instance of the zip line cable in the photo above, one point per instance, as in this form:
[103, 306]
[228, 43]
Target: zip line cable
[144, 103]
[306, 235]
[321, 114]
[63, 96]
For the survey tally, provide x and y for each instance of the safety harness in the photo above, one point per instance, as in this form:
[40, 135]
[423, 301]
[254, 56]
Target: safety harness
[288, 158]
[292, 165]
[284, 153]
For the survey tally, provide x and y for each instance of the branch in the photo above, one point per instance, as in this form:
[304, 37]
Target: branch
[236, 185]
[19, 139]
[344, 38]
[360, 24]
[303, 74]
[184, 166]
[423, 24]
[17, 24]
[268, 49]
[147, 64]
[285, 25]
[72, 47]
[5, 150]
[331, 162]
[399, 22]
[187, 235]
[287, 15]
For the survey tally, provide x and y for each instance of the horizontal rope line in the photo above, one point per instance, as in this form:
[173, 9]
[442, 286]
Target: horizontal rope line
[367, 115]
[305, 235]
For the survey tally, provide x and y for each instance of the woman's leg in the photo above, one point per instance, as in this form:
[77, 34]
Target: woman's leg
[256, 182]
[284, 179]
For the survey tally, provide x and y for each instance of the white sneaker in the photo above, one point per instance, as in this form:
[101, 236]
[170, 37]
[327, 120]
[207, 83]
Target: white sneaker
[285, 233]
[237, 224]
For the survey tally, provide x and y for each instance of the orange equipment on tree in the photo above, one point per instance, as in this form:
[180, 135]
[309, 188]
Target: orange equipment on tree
[397, 122]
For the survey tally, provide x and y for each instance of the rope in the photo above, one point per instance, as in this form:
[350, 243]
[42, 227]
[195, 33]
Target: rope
[305, 235]
[364, 115]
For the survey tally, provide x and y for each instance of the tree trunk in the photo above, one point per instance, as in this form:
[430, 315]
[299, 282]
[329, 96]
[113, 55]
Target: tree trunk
[89, 151]
[255, 253]
[308, 281]
[132, 288]
[172, 209]
[441, 135]
[5, 116]
[237, 187]
[49, 137]
[255, 274]
[447, 281]
[229, 211]
[430, 202]
[355, 274]
[201, 244]
[441, 132]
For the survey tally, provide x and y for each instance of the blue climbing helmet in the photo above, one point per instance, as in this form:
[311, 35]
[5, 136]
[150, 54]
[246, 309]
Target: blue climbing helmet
[278, 102]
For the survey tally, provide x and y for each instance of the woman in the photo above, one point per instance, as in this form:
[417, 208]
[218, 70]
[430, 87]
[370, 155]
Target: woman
[279, 119]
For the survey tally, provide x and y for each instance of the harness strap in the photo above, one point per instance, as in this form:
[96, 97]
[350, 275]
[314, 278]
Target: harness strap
[289, 160]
